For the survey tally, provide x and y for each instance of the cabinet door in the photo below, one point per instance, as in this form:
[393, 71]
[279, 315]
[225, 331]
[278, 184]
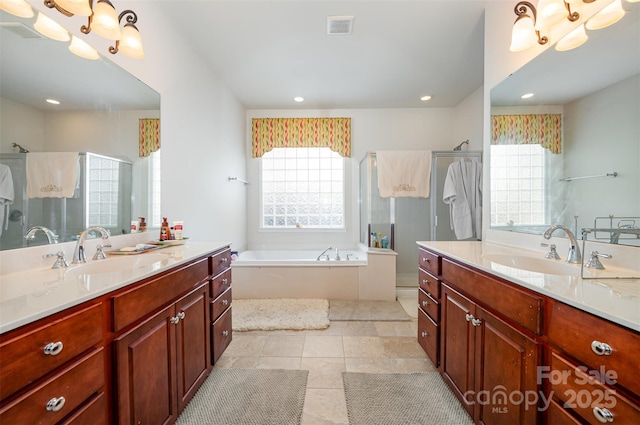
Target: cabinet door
[193, 343]
[457, 342]
[505, 384]
[146, 371]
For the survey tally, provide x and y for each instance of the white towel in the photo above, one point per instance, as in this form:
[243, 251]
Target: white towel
[52, 174]
[404, 173]
[463, 192]
[6, 196]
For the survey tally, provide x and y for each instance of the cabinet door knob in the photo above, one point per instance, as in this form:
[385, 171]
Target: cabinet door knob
[225, 333]
[424, 334]
[603, 414]
[224, 281]
[174, 320]
[223, 260]
[601, 348]
[425, 281]
[469, 317]
[476, 322]
[425, 303]
[53, 348]
[224, 302]
[425, 259]
[55, 404]
[181, 315]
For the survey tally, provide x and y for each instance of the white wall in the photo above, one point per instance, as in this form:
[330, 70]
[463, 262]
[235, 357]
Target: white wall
[20, 124]
[202, 127]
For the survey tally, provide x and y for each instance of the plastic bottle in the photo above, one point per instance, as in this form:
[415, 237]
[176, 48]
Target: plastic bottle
[165, 231]
[177, 227]
[142, 227]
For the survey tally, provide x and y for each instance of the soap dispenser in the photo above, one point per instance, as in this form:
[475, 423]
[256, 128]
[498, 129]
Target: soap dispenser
[165, 231]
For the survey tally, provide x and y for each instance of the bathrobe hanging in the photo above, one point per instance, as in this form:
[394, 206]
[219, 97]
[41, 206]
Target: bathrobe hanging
[6, 196]
[463, 192]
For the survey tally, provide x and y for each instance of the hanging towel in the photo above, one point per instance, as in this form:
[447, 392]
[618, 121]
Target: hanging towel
[52, 174]
[6, 196]
[463, 192]
[404, 173]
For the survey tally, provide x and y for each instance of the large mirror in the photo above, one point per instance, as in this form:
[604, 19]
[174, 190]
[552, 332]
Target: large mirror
[98, 116]
[594, 179]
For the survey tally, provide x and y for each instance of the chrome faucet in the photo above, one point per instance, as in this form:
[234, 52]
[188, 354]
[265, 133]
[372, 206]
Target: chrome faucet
[338, 255]
[573, 256]
[324, 253]
[79, 255]
[51, 237]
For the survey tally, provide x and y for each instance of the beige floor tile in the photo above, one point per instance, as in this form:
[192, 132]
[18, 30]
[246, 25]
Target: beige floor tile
[324, 372]
[395, 328]
[283, 345]
[363, 346]
[323, 346]
[324, 406]
[232, 362]
[278, 363]
[368, 365]
[402, 347]
[412, 365]
[355, 328]
[410, 304]
[245, 345]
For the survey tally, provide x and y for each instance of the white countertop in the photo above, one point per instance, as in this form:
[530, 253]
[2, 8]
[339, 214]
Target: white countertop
[26, 296]
[617, 300]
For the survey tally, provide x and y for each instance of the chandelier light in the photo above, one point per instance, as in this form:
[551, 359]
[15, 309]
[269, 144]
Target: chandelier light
[82, 49]
[524, 33]
[130, 43]
[17, 7]
[50, 28]
[574, 39]
[607, 16]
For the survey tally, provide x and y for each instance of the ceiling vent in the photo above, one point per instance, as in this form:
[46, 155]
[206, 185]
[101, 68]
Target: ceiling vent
[20, 29]
[339, 24]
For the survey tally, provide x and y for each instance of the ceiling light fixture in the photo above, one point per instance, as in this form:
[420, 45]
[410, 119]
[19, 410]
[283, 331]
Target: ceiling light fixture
[298, 99]
[53, 101]
[526, 96]
[104, 21]
[531, 22]
[425, 98]
[50, 28]
[17, 7]
[82, 49]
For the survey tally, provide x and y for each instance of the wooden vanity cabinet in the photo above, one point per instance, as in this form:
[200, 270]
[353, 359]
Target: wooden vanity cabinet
[429, 304]
[220, 287]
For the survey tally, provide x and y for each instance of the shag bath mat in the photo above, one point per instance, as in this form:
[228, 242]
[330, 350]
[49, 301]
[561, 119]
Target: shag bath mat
[282, 313]
[248, 397]
[379, 311]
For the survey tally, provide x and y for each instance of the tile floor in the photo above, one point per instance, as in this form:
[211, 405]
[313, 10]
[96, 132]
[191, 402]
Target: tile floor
[372, 347]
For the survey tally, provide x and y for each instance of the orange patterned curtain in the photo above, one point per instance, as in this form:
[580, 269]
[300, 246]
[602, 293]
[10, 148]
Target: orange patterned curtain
[269, 133]
[545, 130]
[149, 140]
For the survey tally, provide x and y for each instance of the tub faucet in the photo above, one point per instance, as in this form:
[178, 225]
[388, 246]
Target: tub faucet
[573, 256]
[79, 255]
[324, 253]
[337, 255]
[51, 237]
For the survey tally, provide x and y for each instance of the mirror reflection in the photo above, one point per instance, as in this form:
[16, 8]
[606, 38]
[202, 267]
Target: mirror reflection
[97, 118]
[590, 96]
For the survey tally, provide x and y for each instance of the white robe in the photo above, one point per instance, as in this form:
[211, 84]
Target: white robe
[6, 196]
[463, 192]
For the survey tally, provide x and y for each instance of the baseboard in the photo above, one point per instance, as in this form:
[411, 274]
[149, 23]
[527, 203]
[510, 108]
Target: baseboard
[407, 292]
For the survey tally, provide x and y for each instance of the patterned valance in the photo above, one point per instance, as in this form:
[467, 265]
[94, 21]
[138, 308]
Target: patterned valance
[149, 140]
[545, 130]
[269, 133]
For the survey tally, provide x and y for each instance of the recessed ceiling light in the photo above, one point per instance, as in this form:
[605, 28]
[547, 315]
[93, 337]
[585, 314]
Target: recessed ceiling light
[53, 101]
[526, 96]
[425, 98]
[299, 99]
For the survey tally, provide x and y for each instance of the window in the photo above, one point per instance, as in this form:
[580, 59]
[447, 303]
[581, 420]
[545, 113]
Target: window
[302, 188]
[518, 185]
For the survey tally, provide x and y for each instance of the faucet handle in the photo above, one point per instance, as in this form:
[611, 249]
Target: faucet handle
[100, 255]
[594, 262]
[552, 254]
[60, 260]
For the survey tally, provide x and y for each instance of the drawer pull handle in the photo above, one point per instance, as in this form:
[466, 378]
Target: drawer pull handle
[55, 404]
[53, 348]
[425, 303]
[174, 320]
[604, 415]
[476, 322]
[425, 334]
[425, 281]
[425, 259]
[181, 315]
[601, 348]
[224, 260]
[224, 281]
[224, 302]
[469, 317]
[225, 333]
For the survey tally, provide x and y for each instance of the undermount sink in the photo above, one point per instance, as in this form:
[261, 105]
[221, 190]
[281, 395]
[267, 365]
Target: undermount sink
[533, 264]
[115, 264]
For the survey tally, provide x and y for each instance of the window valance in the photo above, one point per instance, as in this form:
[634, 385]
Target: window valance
[149, 140]
[269, 133]
[543, 129]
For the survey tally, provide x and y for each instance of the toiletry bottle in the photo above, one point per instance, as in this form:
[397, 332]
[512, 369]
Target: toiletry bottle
[142, 227]
[177, 229]
[134, 226]
[165, 232]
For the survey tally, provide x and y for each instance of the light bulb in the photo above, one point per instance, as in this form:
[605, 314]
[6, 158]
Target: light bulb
[50, 28]
[575, 38]
[17, 7]
[611, 14]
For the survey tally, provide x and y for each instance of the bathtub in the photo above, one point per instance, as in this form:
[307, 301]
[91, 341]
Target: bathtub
[298, 274]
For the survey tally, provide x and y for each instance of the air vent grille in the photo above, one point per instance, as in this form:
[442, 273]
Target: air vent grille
[20, 29]
[339, 24]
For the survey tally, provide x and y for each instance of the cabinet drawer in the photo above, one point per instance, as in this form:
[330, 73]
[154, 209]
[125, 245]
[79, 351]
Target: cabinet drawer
[428, 337]
[574, 331]
[520, 307]
[429, 261]
[221, 334]
[220, 304]
[584, 394]
[220, 283]
[220, 261]
[92, 413]
[24, 359]
[429, 283]
[429, 305]
[136, 303]
[70, 387]
[556, 415]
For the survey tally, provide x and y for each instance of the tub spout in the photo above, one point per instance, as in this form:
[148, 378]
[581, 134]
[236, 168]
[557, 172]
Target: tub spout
[324, 254]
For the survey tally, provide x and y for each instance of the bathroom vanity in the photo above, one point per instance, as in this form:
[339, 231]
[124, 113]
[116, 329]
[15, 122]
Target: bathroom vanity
[523, 347]
[123, 346]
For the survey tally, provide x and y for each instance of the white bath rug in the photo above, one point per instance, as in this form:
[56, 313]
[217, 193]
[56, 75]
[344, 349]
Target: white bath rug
[280, 313]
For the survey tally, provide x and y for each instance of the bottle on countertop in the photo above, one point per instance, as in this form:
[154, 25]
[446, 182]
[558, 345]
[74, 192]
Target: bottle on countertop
[165, 231]
[142, 226]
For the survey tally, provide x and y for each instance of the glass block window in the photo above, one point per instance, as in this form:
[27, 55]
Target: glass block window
[302, 188]
[517, 185]
[154, 199]
[104, 181]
